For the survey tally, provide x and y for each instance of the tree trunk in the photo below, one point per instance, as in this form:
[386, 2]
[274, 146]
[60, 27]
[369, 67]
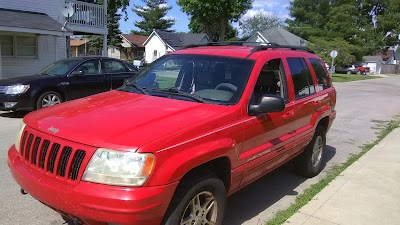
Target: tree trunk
[222, 24]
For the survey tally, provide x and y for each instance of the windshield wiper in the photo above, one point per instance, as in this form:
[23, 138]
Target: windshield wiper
[174, 90]
[141, 89]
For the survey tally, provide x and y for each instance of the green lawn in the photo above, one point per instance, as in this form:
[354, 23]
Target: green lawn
[350, 77]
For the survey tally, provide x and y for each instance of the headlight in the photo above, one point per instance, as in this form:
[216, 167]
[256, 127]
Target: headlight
[18, 137]
[119, 168]
[17, 89]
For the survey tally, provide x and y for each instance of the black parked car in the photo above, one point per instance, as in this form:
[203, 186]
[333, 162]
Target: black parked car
[64, 80]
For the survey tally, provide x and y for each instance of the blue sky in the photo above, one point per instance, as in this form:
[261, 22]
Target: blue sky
[276, 7]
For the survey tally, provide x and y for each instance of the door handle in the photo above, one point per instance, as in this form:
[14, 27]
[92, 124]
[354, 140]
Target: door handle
[317, 103]
[288, 115]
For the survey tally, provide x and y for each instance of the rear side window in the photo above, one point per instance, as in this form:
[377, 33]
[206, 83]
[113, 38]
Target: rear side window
[302, 80]
[320, 72]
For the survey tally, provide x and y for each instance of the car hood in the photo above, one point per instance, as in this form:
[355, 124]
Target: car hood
[24, 79]
[119, 120]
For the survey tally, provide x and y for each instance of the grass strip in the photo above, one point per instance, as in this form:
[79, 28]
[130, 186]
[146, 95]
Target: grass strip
[281, 216]
[351, 77]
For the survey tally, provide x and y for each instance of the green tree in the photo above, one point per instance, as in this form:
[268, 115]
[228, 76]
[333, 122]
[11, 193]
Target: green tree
[213, 34]
[113, 38]
[323, 48]
[308, 17]
[388, 23]
[153, 16]
[212, 14]
[258, 23]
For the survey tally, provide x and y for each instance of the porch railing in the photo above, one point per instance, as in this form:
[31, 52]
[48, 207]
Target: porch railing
[87, 14]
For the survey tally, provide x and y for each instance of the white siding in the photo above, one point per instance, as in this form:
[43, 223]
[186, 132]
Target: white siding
[47, 53]
[153, 44]
[50, 7]
[116, 54]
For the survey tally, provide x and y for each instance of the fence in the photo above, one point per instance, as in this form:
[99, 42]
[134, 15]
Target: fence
[390, 69]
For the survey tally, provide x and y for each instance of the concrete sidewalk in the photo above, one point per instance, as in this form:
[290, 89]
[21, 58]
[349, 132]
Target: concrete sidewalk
[366, 193]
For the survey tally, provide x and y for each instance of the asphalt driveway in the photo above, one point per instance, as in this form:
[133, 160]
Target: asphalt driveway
[359, 104]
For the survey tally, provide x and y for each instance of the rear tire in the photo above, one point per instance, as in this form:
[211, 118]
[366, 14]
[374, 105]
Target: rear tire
[48, 98]
[309, 163]
[199, 200]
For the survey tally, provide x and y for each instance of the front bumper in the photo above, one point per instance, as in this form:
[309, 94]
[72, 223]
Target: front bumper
[94, 203]
[24, 102]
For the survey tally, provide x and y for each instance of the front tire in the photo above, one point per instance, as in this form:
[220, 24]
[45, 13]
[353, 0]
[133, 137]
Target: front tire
[48, 98]
[198, 201]
[309, 163]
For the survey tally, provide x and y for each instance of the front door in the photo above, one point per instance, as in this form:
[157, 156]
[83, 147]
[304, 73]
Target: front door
[268, 138]
[91, 82]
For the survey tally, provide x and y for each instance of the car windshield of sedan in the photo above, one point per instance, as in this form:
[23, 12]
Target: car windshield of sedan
[200, 78]
[60, 68]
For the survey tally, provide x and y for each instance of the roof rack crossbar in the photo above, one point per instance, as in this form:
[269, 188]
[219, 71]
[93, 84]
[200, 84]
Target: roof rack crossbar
[275, 46]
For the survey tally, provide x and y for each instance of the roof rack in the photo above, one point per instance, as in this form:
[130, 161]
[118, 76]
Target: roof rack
[260, 46]
[275, 46]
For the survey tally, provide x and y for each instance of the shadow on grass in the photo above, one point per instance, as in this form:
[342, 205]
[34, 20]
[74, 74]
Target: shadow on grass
[258, 196]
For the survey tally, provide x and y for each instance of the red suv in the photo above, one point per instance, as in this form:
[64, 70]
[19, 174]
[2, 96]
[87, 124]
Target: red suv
[170, 145]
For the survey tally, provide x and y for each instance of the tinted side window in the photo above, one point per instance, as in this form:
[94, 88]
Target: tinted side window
[112, 66]
[302, 80]
[322, 76]
[91, 67]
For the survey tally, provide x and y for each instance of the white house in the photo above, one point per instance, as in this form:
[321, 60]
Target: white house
[276, 35]
[33, 35]
[374, 63]
[160, 43]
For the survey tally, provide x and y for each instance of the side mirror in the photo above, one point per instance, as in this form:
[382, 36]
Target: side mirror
[267, 104]
[78, 73]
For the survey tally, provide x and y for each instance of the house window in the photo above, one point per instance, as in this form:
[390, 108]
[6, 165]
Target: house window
[155, 53]
[112, 50]
[7, 45]
[18, 46]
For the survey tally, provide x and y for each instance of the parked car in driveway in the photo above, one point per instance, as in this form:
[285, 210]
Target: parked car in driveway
[348, 68]
[64, 80]
[169, 146]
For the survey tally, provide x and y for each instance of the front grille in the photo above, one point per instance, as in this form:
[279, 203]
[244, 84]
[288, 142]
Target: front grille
[55, 158]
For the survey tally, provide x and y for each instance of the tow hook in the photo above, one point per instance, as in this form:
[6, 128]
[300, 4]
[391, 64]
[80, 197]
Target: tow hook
[23, 191]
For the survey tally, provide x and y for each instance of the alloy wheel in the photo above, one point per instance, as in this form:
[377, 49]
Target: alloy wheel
[201, 210]
[317, 151]
[49, 100]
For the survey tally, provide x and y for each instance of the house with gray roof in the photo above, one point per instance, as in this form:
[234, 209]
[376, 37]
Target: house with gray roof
[276, 35]
[160, 43]
[374, 62]
[34, 34]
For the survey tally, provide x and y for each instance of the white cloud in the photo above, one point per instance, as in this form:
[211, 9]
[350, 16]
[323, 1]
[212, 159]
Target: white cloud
[169, 17]
[253, 12]
[163, 6]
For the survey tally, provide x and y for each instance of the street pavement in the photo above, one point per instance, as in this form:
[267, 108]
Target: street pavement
[359, 105]
[366, 193]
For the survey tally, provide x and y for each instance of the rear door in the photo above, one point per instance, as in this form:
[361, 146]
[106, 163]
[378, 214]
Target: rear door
[116, 72]
[306, 101]
[268, 138]
[91, 82]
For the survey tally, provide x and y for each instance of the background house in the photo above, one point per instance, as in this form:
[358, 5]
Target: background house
[160, 43]
[277, 35]
[374, 63]
[132, 45]
[79, 47]
[31, 34]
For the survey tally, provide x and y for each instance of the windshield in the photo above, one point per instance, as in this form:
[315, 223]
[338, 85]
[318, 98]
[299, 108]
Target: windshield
[60, 68]
[202, 78]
